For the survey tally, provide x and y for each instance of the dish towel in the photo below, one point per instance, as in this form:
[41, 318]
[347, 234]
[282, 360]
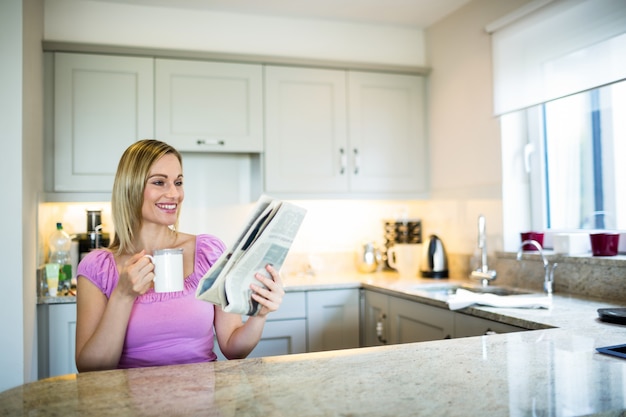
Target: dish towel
[463, 298]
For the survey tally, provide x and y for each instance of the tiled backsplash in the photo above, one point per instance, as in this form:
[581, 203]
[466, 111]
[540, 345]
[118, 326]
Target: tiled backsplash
[598, 277]
[603, 278]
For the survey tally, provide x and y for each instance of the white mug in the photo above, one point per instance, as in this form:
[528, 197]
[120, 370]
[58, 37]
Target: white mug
[168, 270]
[404, 258]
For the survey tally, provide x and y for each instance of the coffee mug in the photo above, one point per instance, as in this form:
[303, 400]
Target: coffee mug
[168, 270]
[604, 244]
[404, 258]
[536, 236]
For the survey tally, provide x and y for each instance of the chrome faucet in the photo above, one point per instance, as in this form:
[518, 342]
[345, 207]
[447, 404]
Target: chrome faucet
[483, 273]
[548, 279]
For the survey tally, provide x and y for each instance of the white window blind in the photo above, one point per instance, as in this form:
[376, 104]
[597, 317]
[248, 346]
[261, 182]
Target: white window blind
[558, 48]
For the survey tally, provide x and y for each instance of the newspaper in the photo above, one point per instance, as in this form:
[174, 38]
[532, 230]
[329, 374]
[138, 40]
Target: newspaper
[265, 239]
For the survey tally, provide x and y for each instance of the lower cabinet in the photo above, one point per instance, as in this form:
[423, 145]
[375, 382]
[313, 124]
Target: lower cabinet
[307, 321]
[285, 329]
[310, 321]
[56, 333]
[281, 337]
[415, 322]
[389, 320]
[374, 319]
[333, 319]
[466, 325]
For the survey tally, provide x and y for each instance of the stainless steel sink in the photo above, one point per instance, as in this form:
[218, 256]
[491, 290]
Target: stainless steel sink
[444, 290]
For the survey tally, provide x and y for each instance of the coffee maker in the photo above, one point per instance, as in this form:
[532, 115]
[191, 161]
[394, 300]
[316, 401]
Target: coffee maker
[94, 238]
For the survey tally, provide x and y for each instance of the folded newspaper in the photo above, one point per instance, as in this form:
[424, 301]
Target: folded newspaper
[265, 239]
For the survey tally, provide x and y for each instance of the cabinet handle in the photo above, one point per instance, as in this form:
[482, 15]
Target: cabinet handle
[342, 161]
[357, 161]
[380, 329]
[202, 142]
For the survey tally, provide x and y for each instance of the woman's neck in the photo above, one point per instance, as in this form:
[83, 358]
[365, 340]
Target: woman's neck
[153, 238]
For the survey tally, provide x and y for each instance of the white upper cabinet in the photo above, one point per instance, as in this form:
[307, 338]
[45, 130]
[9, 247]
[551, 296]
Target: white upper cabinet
[102, 104]
[209, 106]
[306, 143]
[322, 132]
[337, 133]
[387, 134]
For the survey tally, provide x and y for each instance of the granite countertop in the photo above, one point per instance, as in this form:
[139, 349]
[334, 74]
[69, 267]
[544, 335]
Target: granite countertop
[554, 370]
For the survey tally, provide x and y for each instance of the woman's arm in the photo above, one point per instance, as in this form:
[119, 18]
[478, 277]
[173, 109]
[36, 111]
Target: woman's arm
[237, 339]
[100, 327]
[101, 323]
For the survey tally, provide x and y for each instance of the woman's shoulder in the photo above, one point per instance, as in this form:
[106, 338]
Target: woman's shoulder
[97, 258]
[209, 244]
[208, 249]
[99, 267]
[210, 241]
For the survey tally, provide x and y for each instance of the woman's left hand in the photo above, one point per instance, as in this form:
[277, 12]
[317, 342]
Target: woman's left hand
[270, 297]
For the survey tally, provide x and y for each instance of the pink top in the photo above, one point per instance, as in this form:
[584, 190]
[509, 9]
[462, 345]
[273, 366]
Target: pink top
[164, 328]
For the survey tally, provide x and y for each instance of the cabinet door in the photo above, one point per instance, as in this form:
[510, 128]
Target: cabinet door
[209, 106]
[306, 130]
[333, 319]
[102, 104]
[465, 326]
[285, 329]
[416, 322]
[387, 134]
[375, 319]
[57, 339]
[281, 337]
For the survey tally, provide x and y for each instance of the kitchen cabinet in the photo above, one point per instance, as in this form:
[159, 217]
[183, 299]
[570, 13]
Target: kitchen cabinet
[209, 106]
[415, 322]
[56, 333]
[389, 320]
[102, 104]
[333, 319]
[374, 320]
[387, 134]
[306, 130]
[285, 329]
[333, 132]
[310, 321]
[466, 325]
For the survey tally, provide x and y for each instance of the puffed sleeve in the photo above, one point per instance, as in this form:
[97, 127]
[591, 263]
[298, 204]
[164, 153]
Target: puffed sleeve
[99, 267]
[208, 249]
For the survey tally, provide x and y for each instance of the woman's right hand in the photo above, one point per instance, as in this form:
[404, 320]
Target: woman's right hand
[136, 275]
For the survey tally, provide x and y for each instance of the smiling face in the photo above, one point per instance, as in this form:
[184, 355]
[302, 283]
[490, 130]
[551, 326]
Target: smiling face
[163, 192]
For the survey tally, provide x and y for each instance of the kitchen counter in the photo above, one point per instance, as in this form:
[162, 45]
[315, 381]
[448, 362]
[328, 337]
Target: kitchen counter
[550, 371]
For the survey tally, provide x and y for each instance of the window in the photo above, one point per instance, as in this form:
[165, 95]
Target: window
[576, 150]
[559, 94]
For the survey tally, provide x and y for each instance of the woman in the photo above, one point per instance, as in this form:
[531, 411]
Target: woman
[121, 321]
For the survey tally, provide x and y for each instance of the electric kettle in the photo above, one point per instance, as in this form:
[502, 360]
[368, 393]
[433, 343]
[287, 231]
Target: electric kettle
[434, 263]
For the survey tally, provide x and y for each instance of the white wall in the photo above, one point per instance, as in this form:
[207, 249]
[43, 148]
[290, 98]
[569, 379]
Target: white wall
[32, 171]
[11, 301]
[464, 136]
[88, 21]
[20, 118]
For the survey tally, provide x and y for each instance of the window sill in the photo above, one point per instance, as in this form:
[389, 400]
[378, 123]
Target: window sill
[584, 259]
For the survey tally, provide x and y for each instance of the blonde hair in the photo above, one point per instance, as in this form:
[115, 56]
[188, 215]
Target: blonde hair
[128, 188]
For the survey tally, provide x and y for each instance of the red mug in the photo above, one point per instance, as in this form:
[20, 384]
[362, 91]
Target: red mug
[604, 244]
[536, 236]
